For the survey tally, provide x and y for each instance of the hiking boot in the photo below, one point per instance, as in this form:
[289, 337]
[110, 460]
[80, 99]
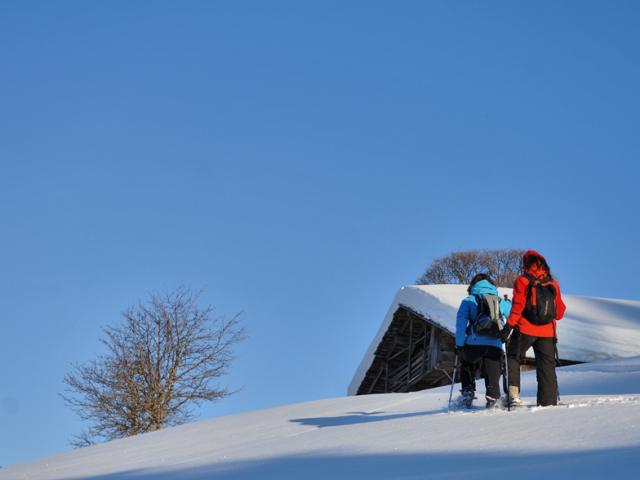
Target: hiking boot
[491, 402]
[514, 396]
[467, 397]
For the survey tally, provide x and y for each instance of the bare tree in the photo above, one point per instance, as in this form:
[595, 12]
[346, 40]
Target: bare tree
[460, 267]
[505, 265]
[161, 361]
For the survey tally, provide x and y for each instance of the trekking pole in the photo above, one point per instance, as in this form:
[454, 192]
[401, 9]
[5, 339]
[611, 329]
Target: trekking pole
[506, 375]
[453, 380]
[555, 348]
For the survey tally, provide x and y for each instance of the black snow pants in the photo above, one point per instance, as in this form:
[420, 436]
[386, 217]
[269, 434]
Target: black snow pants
[545, 352]
[487, 358]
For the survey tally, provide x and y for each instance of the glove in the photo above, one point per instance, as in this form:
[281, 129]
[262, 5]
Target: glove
[505, 333]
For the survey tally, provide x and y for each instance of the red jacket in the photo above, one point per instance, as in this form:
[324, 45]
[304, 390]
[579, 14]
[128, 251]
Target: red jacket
[520, 301]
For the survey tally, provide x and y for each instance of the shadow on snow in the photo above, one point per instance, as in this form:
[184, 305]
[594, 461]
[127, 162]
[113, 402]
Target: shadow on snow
[594, 464]
[354, 418]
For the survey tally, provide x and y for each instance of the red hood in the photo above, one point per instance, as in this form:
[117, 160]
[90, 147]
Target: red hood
[533, 253]
[534, 269]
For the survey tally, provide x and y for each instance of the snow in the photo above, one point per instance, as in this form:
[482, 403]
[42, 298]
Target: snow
[592, 329]
[388, 436]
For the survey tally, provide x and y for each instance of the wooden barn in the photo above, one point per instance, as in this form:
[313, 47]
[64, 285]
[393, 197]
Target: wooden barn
[415, 353]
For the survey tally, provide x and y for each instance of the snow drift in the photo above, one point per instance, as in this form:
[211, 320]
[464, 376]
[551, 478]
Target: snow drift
[389, 436]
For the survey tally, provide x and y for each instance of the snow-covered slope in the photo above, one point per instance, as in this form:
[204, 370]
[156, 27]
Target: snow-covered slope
[391, 436]
[592, 329]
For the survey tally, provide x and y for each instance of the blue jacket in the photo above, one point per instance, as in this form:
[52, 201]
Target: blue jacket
[468, 311]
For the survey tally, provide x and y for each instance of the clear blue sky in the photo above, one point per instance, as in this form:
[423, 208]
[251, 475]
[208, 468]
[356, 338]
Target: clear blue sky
[300, 162]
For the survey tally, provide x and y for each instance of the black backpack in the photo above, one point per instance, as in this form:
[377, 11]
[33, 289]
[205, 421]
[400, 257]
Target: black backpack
[541, 300]
[489, 320]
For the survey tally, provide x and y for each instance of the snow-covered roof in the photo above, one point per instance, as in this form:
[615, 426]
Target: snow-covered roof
[592, 329]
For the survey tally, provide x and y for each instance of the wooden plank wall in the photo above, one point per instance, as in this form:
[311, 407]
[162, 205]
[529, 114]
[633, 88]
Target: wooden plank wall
[410, 356]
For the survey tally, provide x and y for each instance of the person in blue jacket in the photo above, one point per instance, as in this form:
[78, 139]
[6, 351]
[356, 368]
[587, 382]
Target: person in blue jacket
[478, 350]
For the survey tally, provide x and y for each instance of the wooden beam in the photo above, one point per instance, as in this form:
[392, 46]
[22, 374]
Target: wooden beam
[386, 379]
[410, 349]
[397, 354]
[434, 348]
[373, 384]
[425, 349]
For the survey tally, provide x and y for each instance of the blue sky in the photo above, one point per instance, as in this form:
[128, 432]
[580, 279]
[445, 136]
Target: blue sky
[299, 162]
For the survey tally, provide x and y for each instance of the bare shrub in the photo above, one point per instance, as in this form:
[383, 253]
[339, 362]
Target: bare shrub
[460, 267]
[161, 361]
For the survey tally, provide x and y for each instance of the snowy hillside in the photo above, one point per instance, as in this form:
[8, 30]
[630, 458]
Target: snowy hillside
[592, 329]
[390, 436]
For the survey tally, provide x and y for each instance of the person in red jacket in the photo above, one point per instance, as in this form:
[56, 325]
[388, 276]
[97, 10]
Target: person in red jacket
[537, 305]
